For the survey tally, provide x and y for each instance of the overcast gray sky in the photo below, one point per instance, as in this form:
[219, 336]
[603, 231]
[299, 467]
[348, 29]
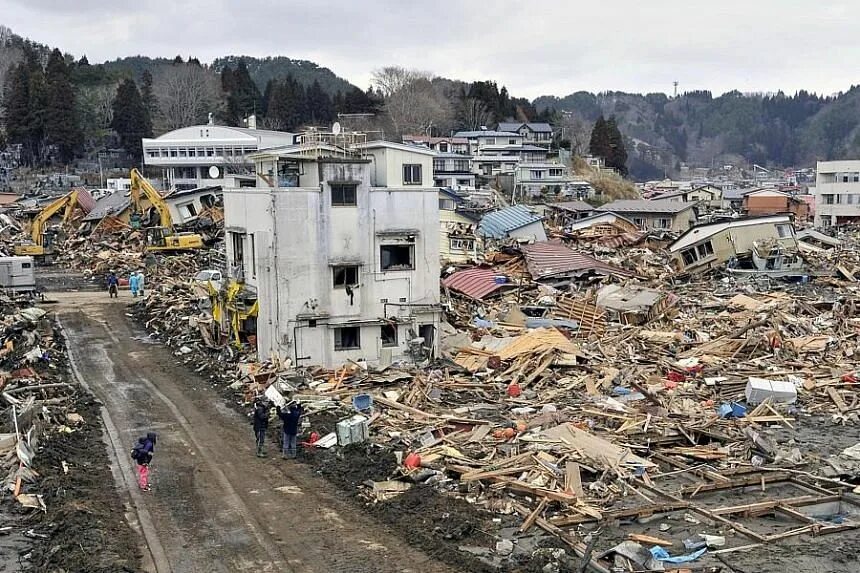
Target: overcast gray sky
[533, 48]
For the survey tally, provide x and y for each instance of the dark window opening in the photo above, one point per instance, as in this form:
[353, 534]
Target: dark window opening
[26, 265]
[238, 249]
[388, 333]
[345, 276]
[412, 174]
[343, 195]
[347, 338]
[396, 257]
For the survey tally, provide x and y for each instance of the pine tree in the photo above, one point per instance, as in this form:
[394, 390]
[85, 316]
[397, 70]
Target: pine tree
[25, 107]
[318, 105]
[286, 106]
[130, 118]
[617, 158]
[599, 145]
[62, 125]
[243, 95]
[147, 96]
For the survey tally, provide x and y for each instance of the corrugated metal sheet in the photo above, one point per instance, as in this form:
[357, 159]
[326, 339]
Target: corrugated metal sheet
[476, 283]
[85, 200]
[549, 259]
[645, 206]
[499, 223]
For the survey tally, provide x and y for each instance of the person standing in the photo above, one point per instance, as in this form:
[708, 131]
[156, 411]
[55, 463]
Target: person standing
[261, 424]
[140, 282]
[113, 285]
[142, 454]
[133, 284]
[291, 418]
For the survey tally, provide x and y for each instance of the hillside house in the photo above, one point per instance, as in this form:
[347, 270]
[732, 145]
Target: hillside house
[535, 133]
[518, 222]
[458, 242]
[458, 145]
[772, 202]
[665, 215]
[452, 170]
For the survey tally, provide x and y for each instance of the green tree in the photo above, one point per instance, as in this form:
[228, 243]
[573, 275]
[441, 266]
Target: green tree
[130, 118]
[62, 125]
[25, 101]
[147, 95]
[286, 105]
[318, 105]
[599, 145]
[243, 95]
[617, 158]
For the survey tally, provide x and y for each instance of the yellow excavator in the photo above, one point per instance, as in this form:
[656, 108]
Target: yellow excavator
[41, 245]
[162, 237]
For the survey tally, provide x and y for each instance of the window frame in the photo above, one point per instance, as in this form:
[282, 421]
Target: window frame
[393, 342]
[345, 283]
[338, 338]
[469, 244]
[342, 189]
[411, 267]
[410, 168]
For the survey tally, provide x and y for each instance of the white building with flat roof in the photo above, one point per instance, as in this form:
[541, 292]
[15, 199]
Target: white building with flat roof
[205, 155]
[837, 193]
[341, 243]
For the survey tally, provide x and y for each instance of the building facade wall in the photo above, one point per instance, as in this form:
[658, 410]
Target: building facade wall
[298, 240]
[837, 192]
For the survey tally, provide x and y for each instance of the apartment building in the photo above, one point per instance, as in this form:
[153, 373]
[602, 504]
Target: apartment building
[340, 239]
[837, 193]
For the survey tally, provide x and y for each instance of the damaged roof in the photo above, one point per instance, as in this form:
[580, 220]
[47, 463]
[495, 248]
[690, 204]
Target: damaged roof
[499, 223]
[112, 204]
[476, 283]
[576, 206]
[550, 259]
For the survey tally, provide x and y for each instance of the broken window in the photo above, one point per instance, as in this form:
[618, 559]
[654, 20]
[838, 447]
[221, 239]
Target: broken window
[188, 210]
[345, 276]
[706, 249]
[662, 223]
[347, 338]
[388, 334]
[784, 231]
[412, 174]
[253, 255]
[343, 195]
[639, 222]
[462, 245]
[238, 241]
[396, 257]
[689, 256]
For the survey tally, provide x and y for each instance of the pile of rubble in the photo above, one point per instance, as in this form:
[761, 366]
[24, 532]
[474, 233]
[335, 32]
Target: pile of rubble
[52, 456]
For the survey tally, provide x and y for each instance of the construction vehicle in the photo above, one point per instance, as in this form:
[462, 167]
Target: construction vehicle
[41, 245]
[161, 237]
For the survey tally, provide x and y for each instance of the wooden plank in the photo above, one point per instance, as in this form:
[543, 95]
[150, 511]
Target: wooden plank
[530, 520]
[837, 399]
[639, 538]
[573, 479]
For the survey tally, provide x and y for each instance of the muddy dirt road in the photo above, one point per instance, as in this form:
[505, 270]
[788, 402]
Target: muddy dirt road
[214, 506]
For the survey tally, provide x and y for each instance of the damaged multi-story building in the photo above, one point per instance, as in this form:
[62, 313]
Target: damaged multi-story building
[340, 241]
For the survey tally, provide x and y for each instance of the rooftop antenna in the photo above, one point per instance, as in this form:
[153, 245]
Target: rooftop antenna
[675, 84]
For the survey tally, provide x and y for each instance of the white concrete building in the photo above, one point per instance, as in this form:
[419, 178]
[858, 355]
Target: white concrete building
[453, 170]
[837, 193]
[204, 155]
[532, 178]
[341, 242]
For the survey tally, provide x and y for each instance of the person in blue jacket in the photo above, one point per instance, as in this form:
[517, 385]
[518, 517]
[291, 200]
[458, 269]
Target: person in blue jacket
[133, 284]
[113, 285]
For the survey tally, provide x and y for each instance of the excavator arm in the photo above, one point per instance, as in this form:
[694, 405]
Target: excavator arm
[139, 185]
[67, 202]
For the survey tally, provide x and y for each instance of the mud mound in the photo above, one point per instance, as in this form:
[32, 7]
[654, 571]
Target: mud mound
[84, 528]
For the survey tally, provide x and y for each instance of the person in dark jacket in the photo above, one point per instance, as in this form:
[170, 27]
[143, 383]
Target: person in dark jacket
[261, 424]
[142, 454]
[291, 418]
[113, 285]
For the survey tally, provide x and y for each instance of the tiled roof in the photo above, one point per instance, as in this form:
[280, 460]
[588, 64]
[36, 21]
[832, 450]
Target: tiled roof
[499, 223]
[476, 283]
[112, 204]
[571, 206]
[549, 259]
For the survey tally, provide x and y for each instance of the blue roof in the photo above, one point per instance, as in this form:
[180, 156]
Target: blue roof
[499, 223]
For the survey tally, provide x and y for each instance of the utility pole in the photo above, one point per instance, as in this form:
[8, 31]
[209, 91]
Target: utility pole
[675, 84]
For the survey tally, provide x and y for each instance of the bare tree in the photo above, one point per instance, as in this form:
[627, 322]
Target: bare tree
[577, 131]
[472, 113]
[96, 108]
[186, 93]
[412, 102]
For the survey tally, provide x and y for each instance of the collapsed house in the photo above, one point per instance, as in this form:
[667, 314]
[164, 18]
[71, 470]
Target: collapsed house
[752, 245]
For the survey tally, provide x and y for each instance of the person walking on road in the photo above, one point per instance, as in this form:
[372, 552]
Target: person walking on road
[261, 424]
[291, 418]
[133, 283]
[142, 454]
[113, 285]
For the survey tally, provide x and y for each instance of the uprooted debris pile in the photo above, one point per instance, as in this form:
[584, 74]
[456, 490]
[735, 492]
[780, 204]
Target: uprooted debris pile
[53, 459]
